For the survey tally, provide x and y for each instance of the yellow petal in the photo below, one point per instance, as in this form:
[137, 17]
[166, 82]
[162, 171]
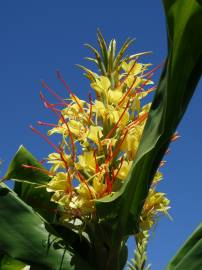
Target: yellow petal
[58, 182]
[105, 82]
[95, 132]
[87, 161]
[101, 85]
[99, 108]
[124, 170]
[98, 185]
[114, 96]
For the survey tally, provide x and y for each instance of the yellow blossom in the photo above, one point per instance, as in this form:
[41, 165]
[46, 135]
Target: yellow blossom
[131, 142]
[59, 182]
[87, 161]
[58, 163]
[124, 169]
[132, 67]
[60, 129]
[99, 141]
[95, 133]
[114, 96]
[99, 185]
[101, 85]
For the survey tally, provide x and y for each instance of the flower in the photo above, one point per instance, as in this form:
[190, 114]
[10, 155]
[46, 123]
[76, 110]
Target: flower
[100, 139]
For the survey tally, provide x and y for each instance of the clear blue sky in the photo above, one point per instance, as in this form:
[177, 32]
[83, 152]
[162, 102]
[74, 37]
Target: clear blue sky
[38, 37]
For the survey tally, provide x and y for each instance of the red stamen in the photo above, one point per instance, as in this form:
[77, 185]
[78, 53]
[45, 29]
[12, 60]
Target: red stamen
[152, 70]
[97, 168]
[49, 106]
[71, 138]
[46, 124]
[59, 76]
[108, 182]
[55, 147]
[59, 104]
[140, 90]
[116, 125]
[69, 189]
[45, 85]
[175, 136]
[117, 149]
[84, 181]
[127, 92]
[128, 73]
[64, 122]
[138, 120]
[144, 83]
[110, 153]
[38, 169]
[121, 163]
[45, 138]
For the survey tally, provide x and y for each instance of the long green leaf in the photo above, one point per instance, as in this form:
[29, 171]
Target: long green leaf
[189, 257]
[27, 189]
[98, 58]
[8, 263]
[103, 48]
[123, 49]
[18, 172]
[180, 76]
[25, 236]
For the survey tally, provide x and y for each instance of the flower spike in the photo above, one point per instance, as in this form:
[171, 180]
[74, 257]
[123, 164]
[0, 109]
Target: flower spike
[100, 136]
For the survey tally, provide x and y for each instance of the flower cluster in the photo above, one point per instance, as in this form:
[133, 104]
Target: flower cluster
[100, 136]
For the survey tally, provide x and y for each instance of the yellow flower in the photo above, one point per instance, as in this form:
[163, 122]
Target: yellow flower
[60, 129]
[131, 142]
[124, 170]
[87, 161]
[85, 198]
[101, 85]
[156, 203]
[95, 133]
[59, 182]
[114, 96]
[130, 81]
[99, 108]
[73, 109]
[61, 198]
[76, 128]
[132, 68]
[158, 177]
[99, 185]
[99, 140]
[55, 159]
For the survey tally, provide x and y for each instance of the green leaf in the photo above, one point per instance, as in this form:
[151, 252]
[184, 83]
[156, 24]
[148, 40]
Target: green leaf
[88, 73]
[189, 257]
[111, 55]
[103, 48]
[8, 263]
[123, 49]
[180, 76]
[91, 60]
[18, 172]
[98, 57]
[27, 189]
[25, 236]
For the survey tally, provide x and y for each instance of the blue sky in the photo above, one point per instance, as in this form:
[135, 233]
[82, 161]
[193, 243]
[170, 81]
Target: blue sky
[38, 37]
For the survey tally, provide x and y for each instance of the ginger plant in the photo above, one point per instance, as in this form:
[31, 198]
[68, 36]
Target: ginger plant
[100, 137]
[79, 212]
